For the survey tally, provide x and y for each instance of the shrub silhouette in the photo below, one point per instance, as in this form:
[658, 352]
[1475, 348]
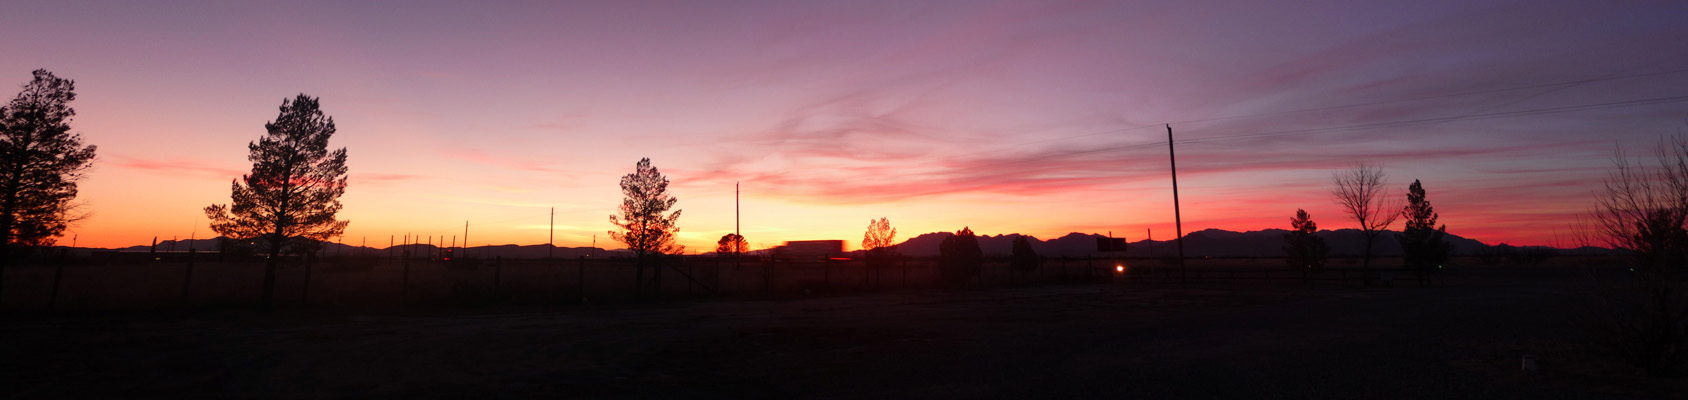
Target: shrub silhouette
[1025, 258]
[959, 257]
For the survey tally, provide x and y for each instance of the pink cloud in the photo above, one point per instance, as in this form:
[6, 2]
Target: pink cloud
[175, 167]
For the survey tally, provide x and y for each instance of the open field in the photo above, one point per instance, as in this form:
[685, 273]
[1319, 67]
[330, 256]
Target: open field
[385, 283]
[1205, 339]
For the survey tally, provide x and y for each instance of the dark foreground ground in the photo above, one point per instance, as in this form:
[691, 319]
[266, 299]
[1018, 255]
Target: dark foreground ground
[1279, 339]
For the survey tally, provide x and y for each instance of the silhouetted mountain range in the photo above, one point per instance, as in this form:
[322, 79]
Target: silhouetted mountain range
[1203, 243]
[336, 249]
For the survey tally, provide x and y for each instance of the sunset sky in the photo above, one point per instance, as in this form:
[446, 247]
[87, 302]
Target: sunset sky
[1041, 118]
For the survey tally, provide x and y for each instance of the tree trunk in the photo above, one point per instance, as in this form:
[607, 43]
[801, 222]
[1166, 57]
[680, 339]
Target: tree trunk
[638, 276]
[268, 301]
[7, 213]
[1365, 263]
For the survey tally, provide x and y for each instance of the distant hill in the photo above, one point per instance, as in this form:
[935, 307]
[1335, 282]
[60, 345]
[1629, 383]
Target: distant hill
[1203, 243]
[334, 249]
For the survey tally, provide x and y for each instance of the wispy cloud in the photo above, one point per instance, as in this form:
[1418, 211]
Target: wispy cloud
[175, 166]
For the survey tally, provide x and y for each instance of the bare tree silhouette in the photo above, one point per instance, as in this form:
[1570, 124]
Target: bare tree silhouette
[1360, 192]
[959, 257]
[1423, 249]
[643, 227]
[290, 198]
[880, 243]
[40, 163]
[1642, 315]
[1303, 250]
[731, 243]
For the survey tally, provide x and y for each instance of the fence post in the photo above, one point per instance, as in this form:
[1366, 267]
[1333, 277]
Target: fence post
[305, 295]
[580, 278]
[187, 278]
[497, 273]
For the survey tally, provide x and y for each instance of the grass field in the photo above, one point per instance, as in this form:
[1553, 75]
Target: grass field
[381, 283]
[1209, 338]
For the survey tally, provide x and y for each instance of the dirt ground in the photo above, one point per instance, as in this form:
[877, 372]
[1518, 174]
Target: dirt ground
[1247, 339]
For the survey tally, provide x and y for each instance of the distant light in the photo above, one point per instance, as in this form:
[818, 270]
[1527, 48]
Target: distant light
[1119, 268]
[1438, 266]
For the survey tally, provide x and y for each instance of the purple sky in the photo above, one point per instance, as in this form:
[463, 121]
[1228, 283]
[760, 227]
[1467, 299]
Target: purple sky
[1031, 117]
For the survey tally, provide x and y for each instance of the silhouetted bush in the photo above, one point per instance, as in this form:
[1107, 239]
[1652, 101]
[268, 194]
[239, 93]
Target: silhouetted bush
[959, 257]
[1025, 258]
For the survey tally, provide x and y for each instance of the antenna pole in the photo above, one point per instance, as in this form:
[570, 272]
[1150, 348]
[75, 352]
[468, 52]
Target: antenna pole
[1177, 216]
[550, 241]
[736, 248]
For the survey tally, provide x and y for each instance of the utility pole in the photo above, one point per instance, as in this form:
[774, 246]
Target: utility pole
[1177, 216]
[465, 238]
[737, 250]
[550, 241]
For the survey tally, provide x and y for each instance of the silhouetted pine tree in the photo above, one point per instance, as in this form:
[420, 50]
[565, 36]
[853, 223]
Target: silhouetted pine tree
[1303, 250]
[289, 200]
[1422, 246]
[40, 162]
[643, 228]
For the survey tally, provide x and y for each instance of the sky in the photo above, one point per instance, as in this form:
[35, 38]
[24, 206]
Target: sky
[1037, 117]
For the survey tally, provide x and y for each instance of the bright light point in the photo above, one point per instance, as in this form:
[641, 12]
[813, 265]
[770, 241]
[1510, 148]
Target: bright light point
[1119, 268]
